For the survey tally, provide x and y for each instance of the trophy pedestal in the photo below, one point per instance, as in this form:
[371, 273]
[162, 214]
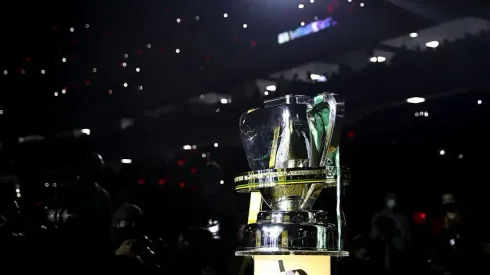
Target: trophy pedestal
[291, 265]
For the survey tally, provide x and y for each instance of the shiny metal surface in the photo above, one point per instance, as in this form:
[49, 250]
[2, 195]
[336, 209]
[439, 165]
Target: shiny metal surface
[292, 147]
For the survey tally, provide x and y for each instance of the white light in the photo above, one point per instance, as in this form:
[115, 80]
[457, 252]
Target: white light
[197, 17]
[225, 15]
[125, 55]
[381, 59]
[87, 26]
[63, 91]
[266, 93]
[224, 101]
[148, 46]
[54, 184]
[479, 102]
[271, 88]
[43, 71]
[63, 60]
[349, 1]
[18, 195]
[414, 34]
[140, 88]
[432, 44]
[362, 5]
[187, 147]
[5, 72]
[203, 155]
[1, 112]
[315, 18]
[137, 70]
[221, 182]
[94, 70]
[17, 190]
[124, 64]
[442, 152]
[460, 156]
[125, 85]
[312, 1]
[194, 147]
[373, 59]
[177, 51]
[302, 23]
[301, 6]
[416, 114]
[318, 78]
[216, 145]
[426, 114]
[72, 29]
[415, 100]
[46, 184]
[55, 93]
[178, 20]
[245, 26]
[85, 131]
[126, 161]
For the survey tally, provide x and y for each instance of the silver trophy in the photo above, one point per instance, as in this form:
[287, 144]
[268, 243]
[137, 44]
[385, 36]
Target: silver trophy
[292, 147]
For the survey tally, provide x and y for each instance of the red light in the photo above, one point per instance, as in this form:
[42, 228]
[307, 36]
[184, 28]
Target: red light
[182, 185]
[180, 162]
[161, 182]
[351, 134]
[141, 181]
[194, 188]
[87, 82]
[109, 92]
[419, 217]
[193, 170]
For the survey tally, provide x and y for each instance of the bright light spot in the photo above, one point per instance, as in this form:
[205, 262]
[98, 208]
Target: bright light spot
[479, 102]
[43, 71]
[5, 72]
[87, 26]
[126, 161]
[271, 88]
[415, 100]
[125, 55]
[442, 152]
[63, 91]
[381, 59]
[140, 88]
[197, 17]
[201, 96]
[72, 29]
[194, 147]
[362, 5]
[46, 184]
[414, 34]
[460, 156]
[266, 93]
[187, 147]
[203, 155]
[178, 20]
[349, 1]
[18, 195]
[17, 190]
[177, 51]
[137, 70]
[125, 85]
[245, 26]
[63, 60]
[85, 131]
[124, 64]
[432, 44]
[318, 78]
[221, 182]
[373, 59]
[225, 15]
[148, 46]
[54, 184]
[301, 6]
[302, 23]
[55, 93]
[416, 114]
[426, 114]
[224, 101]
[1, 112]
[315, 18]
[216, 145]
[312, 1]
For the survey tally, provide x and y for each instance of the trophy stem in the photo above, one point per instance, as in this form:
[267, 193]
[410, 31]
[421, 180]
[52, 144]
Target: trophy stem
[297, 264]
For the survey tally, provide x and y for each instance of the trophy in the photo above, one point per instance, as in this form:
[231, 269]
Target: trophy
[292, 147]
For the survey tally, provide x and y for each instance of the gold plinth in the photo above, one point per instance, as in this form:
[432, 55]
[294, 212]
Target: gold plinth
[291, 265]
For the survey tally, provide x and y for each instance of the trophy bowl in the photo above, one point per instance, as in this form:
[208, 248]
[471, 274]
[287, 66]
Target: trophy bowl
[292, 147]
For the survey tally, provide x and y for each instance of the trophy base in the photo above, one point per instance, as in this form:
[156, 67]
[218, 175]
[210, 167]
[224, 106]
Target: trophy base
[261, 251]
[291, 265]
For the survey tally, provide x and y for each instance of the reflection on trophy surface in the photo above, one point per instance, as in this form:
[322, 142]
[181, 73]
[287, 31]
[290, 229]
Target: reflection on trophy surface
[292, 147]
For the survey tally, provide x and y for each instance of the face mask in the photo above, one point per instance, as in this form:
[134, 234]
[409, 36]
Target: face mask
[391, 203]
